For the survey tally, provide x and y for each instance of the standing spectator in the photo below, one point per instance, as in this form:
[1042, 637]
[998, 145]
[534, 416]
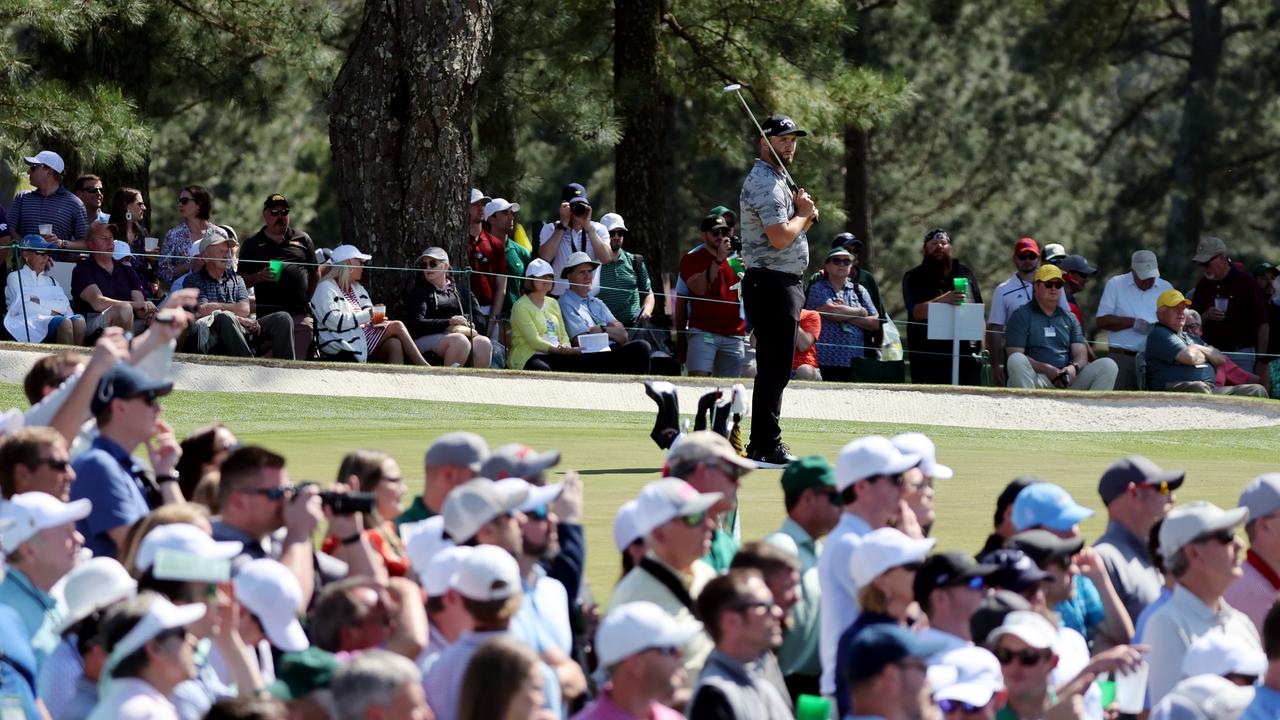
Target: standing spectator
[585, 314]
[35, 459]
[1024, 643]
[223, 325]
[740, 678]
[574, 231]
[1266, 699]
[813, 508]
[487, 261]
[805, 364]
[860, 275]
[345, 322]
[1009, 296]
[35, 314]
[437, 320]
[108, 293]
[948, 587]
[1046, 347]
[847, 316]
[1232, 307]
[1076, 271]
[377, 473]
[1137, 494]
[452, 459]
[1259, 586]
[48, 203]
[624, 283]
[639, 648]
[127, 212]
[887, 674]
[195, 207]
[1182, 362]
[1127, 312]
[968, 685]
[379, 684]
[1201, 551]
[90, 191]
[503, 224]
[627, 536]
[475, 212]
[716, 327]
[709, 463]
[292, 287]
[503, 680]
[930, 282]
[1003, 523]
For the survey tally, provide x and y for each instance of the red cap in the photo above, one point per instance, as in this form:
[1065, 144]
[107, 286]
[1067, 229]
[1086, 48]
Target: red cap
[1026, 244]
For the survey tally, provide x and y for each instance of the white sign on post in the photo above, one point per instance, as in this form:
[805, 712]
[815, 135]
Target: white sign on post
[956, 323]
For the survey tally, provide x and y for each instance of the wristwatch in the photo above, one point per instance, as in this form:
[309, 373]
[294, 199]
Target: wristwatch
[171, 477]
[560, 226]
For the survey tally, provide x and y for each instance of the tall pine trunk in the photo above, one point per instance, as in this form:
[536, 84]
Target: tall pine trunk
[400, 115]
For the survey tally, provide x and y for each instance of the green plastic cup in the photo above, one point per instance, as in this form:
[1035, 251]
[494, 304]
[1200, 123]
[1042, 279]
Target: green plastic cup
[276, 267]
[962, 286]
[1107, 689]
[812, 707]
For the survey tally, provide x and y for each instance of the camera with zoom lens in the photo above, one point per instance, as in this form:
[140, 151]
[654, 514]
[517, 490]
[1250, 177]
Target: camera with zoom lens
[579, 209]
[346, 503]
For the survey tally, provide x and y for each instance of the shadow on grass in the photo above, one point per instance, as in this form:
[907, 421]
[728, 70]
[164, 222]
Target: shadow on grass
[617, 471]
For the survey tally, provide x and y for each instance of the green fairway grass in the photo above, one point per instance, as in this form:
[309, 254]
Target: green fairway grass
[616, 457]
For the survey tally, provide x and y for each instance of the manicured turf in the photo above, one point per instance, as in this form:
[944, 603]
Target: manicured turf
[614, 453]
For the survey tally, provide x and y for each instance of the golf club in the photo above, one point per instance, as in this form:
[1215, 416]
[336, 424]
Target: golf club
[737, 89]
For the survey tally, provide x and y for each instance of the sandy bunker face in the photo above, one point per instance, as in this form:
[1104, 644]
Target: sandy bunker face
[1053, 411]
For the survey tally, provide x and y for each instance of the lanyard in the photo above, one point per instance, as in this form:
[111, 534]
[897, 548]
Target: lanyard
[1263, 569]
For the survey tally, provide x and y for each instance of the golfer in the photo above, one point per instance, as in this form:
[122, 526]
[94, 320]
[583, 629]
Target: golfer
[775, 250]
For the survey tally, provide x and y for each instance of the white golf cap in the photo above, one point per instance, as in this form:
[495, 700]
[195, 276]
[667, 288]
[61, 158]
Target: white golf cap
[31, 512]
[1028, 626]
[487, 573]
[267, 589]
[1145, 265]
[437, 572]
[162, 615]
[1054, 251]
[868, 457]
[625, 529]
[121, 250]
[194, 250]
[346, 253]
[664, 500]
[50, 158]
[613, 221]
[186, 539]
[1261, 496]
[539, 268]
[92, 585]
[472, 504]
[497, 205]
[539, 496]
[423, 542]
[1218, 652]
[478, 196]
[884, 549]
[638, 626]
[435, 253]
[1187, 522]
[914, 443]
[969, 675]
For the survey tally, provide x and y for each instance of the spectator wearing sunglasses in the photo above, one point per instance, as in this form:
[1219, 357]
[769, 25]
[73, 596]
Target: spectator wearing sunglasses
[1011, 295]
[292, 288]
[1257, 589]
[948, 587]
[1202, 552]
[35, 459]
[48, 203]
[740, 678]
[717, 330]
[639, 649]
[38, 308]
[438, 321]
[813, 508]
[1045, 346]
[1023, 644]
[1182, 362]
[1137, 493]
[848, 315]
[91, 192]
[1232, 306]
[708, 462]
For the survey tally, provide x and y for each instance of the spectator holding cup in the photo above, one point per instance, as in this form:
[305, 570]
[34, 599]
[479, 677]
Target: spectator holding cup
[280, 265]
[350, 327]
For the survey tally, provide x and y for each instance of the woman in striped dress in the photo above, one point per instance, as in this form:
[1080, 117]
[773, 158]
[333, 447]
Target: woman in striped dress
[345, 328]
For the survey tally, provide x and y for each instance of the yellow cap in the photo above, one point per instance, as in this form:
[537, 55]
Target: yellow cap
[1171, 298]
[1048, 272]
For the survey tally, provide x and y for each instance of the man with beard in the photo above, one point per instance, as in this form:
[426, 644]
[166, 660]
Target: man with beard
[290, 287]
[934, 281]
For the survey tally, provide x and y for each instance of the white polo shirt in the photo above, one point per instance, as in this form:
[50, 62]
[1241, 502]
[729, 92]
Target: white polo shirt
[1176, 624]
[571, 242]
[1123, 298]
[1013, 294]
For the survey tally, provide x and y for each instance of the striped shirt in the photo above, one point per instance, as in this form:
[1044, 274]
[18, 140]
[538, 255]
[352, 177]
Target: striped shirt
[61, 208]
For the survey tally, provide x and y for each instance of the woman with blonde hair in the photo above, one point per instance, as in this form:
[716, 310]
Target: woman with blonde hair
[376, 472]
[346, 328]
[172, 514]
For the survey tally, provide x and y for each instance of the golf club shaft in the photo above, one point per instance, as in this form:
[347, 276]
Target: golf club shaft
[791, 183]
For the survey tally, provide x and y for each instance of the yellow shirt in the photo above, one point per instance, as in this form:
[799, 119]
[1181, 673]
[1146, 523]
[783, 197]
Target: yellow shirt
[535, 329]
[640, 585]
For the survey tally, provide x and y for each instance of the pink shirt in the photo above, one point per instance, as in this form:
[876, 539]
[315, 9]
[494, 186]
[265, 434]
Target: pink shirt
[1254, 593]
[604, 709]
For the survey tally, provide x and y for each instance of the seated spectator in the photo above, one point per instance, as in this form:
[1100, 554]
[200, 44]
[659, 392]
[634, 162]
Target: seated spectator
[195, 208]
[741, 676]
[1266, 701]
[438, 322]
[503, 680]
[584, 314]
[194, 266]
[40, 546]
[968, 684]
[292, 284]
[50, 204]
[804, 366]
[717, 330]
[538, 337]
[639, 649]
[346, 327]
[68, 681]
[127, 211]
[108, 293]
[848, 315]
[379, 684]
[35, 459]
[38, 307]
[203, 450]
[574, 231]
[887, 673]
[370, 471]
[1045, 345]
[223, 325]
[1181, 362]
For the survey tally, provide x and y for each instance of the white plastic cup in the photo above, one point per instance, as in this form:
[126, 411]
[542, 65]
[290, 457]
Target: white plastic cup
[46, 229]
[1221, 303]
[1131, 690]
[151, 244]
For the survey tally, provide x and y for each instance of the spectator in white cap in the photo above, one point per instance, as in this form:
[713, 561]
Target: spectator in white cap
[1137, 493]
[487, 259]
[445, 611]
[270, 600]
[500, 222]
[546, 605]
[1202, 552]
[441, 319]
[68, 682]
[151, 652]
[1203, 697]
[539, 340]
[639, 648]
[488, 582]
[624, 283]
[676, 521]
[48, 203]
[1127, 311]
[1054, 253]
[1266, 701]
[1220, 653]
[587, 315]
[967, 684]
[41, 545]
[708, 462]
[627, 536]
[1024, 646]
[349, 327]
[1259, 585]
[869, 478]
[452, 459]
[917, 483]
[379, 685]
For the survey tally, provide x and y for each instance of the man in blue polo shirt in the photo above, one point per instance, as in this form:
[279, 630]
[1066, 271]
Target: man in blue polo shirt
[48, 203]
[1182, 362]
[127, 408]
[1045, 345]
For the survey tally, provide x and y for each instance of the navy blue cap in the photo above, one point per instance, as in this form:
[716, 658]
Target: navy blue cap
[574, 193]
[779, 125]
[35, 242]
[881, 644]
[845, 240]
[125, 382]
[1014, 570]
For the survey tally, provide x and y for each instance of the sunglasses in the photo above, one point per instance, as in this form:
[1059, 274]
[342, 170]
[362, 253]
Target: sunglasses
[149, 398]
[747, 605]
[722, 232]
[1241, 679]
[1206, 263]
[272, 494]
[55, 465]
[39, 252]
[278, 212]
[539, 513]
[185, 200]
[92, 191]
[1028, 256]
[1053, 285]
[1225, 537]
[840, 261]
[695, 519]
[1026, 658]
[950, 706]
[617, 233]
[1163, 488]
[35, 167]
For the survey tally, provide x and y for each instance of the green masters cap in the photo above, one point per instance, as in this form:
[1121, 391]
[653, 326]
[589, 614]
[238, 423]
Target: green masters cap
[806, 472]
[722, 210]
[298, 674]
